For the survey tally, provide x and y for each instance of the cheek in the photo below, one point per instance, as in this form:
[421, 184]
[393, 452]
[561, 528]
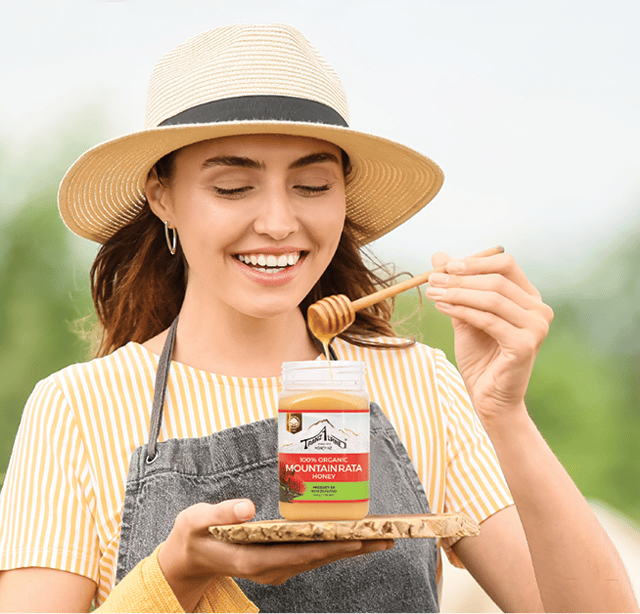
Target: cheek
[335, 222]
[330, 219]
[206, 228]
[336, 231]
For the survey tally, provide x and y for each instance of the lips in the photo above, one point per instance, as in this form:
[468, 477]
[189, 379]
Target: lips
[270, 263]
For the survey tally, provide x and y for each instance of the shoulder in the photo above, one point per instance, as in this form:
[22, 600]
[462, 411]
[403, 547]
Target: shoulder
[131, 366]
[394, 352]
[122, 359]
[414, 370]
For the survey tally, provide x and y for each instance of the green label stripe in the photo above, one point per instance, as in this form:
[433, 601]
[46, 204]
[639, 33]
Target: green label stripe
[335, 491]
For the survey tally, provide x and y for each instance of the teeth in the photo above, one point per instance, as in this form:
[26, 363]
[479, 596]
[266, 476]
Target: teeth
[269, 263]
[268, 271]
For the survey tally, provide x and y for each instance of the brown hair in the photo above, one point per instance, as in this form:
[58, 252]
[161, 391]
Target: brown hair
[138, 286]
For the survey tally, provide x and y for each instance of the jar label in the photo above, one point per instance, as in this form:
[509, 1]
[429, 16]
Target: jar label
[323, 455]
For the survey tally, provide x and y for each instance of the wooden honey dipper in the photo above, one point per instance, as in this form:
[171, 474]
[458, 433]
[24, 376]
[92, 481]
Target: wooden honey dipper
[331, 315]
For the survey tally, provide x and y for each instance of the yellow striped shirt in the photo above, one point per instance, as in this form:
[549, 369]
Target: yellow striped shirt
[62, 500]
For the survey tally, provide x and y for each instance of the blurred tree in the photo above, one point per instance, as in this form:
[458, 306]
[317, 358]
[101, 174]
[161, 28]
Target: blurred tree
[40, 295]
[39, 301]
[598, 324]
[581, 401]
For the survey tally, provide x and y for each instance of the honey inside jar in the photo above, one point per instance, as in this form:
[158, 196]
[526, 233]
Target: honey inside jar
[323, 443]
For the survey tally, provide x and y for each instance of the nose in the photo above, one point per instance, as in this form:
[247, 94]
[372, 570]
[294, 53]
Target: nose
[276, 216]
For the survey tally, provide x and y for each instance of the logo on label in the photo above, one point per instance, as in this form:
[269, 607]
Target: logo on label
[294, 423]
[323, 435]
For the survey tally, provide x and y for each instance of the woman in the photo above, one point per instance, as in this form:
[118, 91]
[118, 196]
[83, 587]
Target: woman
[246, 198]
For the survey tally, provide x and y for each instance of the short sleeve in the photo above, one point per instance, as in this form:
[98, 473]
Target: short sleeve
[475, 484]
[46, 503]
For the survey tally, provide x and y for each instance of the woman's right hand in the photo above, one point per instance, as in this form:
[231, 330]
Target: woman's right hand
[191, 557]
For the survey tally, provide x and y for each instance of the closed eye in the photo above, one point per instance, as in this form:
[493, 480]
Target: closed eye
[313, 189]
[232, 192]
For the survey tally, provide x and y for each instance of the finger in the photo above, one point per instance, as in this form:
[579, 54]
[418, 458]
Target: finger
[481, 300]
[496, 305]
[231, 511]
[439, 259]
[201, 516]
[491, 294]
[259, 557]
[275, 563]
[503, 264]
[244, 510]
[523, 338]
[442, 287]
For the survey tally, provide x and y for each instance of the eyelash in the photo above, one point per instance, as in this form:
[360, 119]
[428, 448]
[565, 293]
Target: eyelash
[232, 191]
[237, 192]
[313, 189]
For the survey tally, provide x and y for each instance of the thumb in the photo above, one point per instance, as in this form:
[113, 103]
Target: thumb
[439, 259]
[244, 509]
[231, 511]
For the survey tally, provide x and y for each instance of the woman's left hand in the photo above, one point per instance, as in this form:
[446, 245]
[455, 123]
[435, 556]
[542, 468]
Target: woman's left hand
[499, 322]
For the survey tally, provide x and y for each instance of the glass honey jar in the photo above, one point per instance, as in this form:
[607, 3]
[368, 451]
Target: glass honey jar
[323, 441]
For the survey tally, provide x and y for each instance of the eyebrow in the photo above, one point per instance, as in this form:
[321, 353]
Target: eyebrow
[314, 158]
[240, 161]
[243, 162]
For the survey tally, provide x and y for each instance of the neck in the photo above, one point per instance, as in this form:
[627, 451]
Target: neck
[231, 343]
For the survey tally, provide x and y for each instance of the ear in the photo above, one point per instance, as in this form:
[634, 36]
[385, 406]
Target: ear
[158, 197]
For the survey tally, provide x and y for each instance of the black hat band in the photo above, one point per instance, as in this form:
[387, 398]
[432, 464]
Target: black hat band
[259, 108]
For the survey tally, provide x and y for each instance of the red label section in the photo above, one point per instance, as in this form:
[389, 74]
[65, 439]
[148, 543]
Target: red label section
[323, 411]
[327, 467]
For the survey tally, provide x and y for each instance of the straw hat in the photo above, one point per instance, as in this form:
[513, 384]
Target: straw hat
[245, 79]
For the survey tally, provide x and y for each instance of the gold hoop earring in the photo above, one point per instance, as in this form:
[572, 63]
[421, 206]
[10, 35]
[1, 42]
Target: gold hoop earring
[172, 242]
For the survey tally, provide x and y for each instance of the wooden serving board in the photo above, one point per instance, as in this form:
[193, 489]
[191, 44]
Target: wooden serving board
[371, 527]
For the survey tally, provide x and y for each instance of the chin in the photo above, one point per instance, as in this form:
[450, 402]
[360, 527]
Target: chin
[269, 310]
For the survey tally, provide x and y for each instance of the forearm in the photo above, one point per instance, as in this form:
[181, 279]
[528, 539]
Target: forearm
[577, 567]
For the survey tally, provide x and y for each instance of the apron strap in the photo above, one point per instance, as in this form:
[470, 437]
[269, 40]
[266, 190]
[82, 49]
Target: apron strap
[162, 374]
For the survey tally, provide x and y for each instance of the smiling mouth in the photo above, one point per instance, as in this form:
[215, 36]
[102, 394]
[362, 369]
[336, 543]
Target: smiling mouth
[270, 263]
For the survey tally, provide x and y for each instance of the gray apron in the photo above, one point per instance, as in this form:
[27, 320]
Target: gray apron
[242, 462]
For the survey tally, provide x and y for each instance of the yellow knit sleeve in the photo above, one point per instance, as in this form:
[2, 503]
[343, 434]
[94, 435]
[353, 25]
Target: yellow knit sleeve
[145, 589]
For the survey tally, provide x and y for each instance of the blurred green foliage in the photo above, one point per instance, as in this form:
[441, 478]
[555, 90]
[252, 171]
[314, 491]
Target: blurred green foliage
[583, 395]
[39, 300]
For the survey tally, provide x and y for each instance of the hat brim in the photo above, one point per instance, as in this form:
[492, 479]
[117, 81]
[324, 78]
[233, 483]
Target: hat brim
[104, 189]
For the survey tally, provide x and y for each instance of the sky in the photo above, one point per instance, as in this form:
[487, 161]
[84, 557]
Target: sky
[531, 108]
